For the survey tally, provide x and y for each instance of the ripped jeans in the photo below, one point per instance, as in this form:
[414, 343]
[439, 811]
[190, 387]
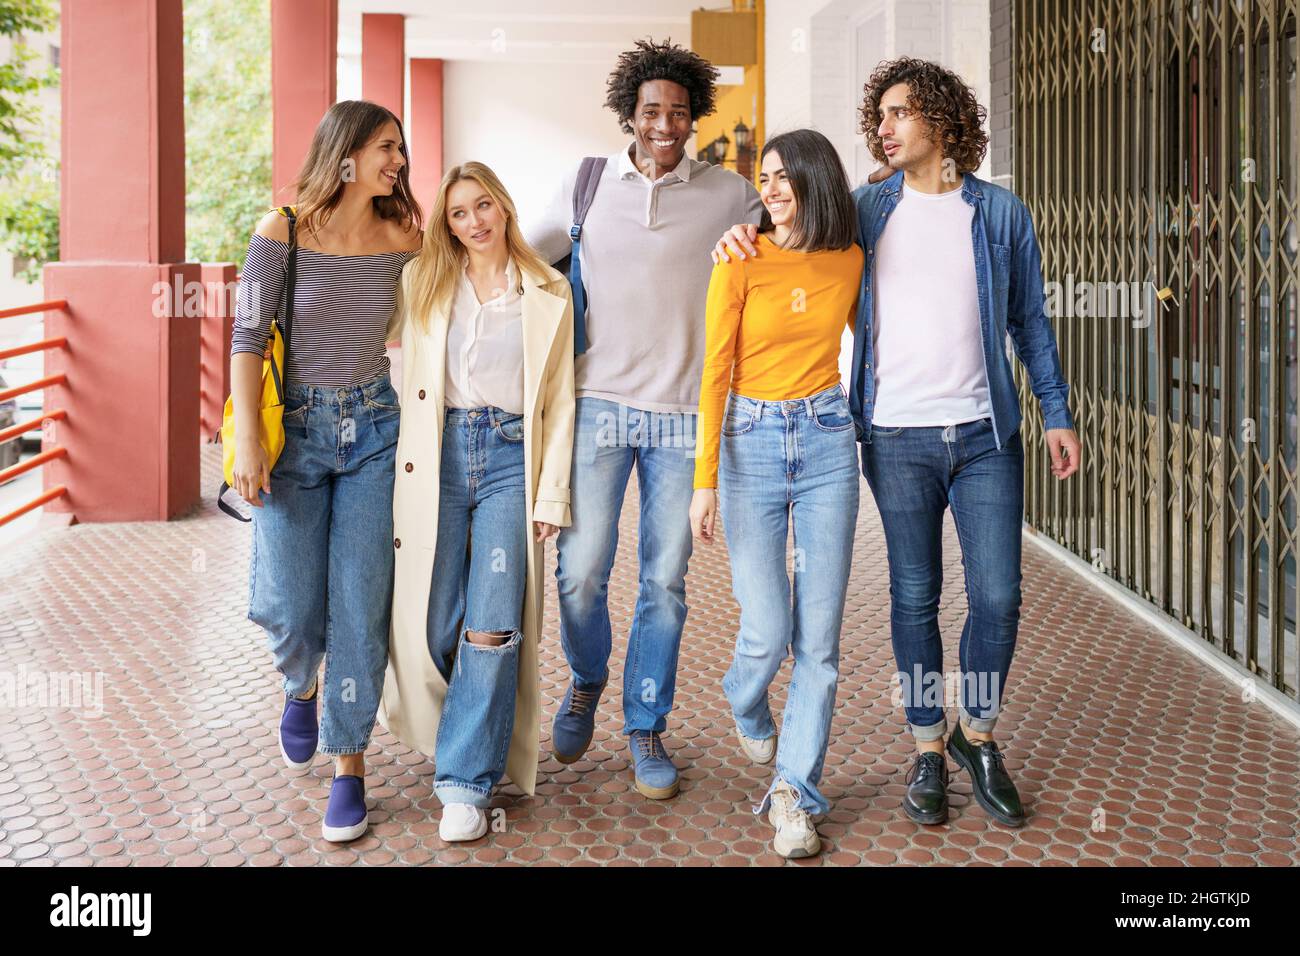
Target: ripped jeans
[479, 570]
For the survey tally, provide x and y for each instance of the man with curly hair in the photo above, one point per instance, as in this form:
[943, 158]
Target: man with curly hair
[952, 270]
[644, 262]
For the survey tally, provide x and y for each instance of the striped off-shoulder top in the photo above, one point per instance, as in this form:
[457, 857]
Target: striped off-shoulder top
[342, 306]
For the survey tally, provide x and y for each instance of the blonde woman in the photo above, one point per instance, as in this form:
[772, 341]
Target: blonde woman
[322, 564]
[483, 463]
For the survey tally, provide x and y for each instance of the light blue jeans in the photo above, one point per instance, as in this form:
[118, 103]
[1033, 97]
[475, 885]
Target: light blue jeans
[480, 567]
[320, 581]
[609, 439]
[786, 464]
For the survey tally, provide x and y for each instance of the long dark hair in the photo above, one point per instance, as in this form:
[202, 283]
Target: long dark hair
[345, 128]
[824, 216]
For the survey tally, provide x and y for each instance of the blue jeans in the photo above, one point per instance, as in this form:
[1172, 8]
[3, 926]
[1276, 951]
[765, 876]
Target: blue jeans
[915, 474]
[321, 577]
[783, 464]
[609, 439]
[480, 566]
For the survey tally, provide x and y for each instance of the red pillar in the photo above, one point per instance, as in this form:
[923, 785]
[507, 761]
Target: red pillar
[425, 131]
[383, 60]
[214, 348]
[304, 59]
[132, 359]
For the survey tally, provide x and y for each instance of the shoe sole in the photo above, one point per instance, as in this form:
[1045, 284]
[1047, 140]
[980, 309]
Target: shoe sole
[753, 757]
[656, 793]
[985, 805]
[796, 851]
[295, 769]
[476, 835]
[928, 819]
[344, 834]
[572, 758]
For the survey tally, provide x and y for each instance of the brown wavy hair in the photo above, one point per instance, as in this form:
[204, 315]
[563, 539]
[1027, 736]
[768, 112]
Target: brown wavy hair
[955, 118]
[346, 127]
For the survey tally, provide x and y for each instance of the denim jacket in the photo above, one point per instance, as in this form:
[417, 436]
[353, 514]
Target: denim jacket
[1008, 274]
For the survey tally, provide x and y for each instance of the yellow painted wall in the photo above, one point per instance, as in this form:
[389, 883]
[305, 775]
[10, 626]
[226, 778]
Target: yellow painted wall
[743, 102]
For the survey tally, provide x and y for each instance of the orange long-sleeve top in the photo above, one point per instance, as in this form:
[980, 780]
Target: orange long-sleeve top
[772, 332]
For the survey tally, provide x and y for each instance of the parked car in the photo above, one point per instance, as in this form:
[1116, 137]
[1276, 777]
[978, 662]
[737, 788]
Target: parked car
[23, 370]
[9, 451]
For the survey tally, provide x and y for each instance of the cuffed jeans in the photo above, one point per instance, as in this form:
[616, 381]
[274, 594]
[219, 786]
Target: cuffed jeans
[915, 474]
[321, 577]
[609, 439]
[480, 567]
[786, 464]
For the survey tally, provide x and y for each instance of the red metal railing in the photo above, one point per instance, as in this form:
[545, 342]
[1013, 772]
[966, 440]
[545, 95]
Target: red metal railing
[14, 432]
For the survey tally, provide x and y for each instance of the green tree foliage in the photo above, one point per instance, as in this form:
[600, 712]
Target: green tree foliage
[227, 125]
[29, 195]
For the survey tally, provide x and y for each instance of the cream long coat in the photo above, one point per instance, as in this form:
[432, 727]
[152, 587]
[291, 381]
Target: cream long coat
[414, 688]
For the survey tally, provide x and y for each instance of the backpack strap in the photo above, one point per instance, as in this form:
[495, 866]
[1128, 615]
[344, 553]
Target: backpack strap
[584, 193]
[286, 313]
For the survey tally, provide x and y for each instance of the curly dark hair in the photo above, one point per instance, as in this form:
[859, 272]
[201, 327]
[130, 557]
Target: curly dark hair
[947, 103]
[660, 61]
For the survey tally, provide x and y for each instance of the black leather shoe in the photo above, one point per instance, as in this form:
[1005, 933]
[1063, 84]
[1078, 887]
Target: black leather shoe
[990, 782]
[926, 799]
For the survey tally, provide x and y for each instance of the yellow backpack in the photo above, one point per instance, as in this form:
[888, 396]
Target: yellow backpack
[271, 403]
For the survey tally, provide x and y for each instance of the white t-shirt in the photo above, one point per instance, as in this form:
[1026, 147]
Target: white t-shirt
[929, 353]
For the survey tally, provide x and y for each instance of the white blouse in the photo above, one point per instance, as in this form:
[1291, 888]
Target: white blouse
[485, 347]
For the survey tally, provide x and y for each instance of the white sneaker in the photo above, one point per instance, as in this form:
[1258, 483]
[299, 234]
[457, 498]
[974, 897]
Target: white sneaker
[759, 751]
[795, 835]
[461, 822]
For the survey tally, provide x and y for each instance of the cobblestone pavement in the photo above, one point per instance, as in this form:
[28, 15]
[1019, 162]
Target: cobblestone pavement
[1126, 749]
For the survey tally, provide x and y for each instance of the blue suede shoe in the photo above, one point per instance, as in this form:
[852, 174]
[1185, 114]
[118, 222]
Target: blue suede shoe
[298, 734]
[345, 815]
[656, 777]
[575, 721]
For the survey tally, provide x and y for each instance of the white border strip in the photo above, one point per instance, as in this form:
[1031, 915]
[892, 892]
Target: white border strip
[1188, 640]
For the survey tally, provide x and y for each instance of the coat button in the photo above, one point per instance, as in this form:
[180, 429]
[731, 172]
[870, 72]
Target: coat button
[397, 542]
[422, 393]
[410, 467]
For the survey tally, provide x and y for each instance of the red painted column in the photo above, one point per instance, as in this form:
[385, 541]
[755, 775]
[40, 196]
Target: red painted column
[132, 359]
[424, 134]
[383, 60]
[304, 61]
[214, 347]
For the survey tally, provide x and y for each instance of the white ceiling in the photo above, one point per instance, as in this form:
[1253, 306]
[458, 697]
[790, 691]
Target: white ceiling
[571, 31]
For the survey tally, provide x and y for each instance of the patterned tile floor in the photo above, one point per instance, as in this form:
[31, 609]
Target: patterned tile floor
[1128, 751]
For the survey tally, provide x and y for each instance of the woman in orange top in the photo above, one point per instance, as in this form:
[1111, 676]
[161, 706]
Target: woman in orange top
[785, 453]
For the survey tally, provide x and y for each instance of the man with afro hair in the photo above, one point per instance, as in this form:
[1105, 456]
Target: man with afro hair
[645, 268]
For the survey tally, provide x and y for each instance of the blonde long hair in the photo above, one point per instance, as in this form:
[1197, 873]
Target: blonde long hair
[436, 270]
[345, 128]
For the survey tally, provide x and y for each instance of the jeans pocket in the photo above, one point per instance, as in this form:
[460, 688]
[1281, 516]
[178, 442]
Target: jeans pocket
[511, 429]
[833, 416]
[295, 414]
[877, 432]
[738, 420]
[384, 400]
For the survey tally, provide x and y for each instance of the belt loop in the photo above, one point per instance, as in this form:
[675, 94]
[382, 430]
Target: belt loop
[949, 433]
